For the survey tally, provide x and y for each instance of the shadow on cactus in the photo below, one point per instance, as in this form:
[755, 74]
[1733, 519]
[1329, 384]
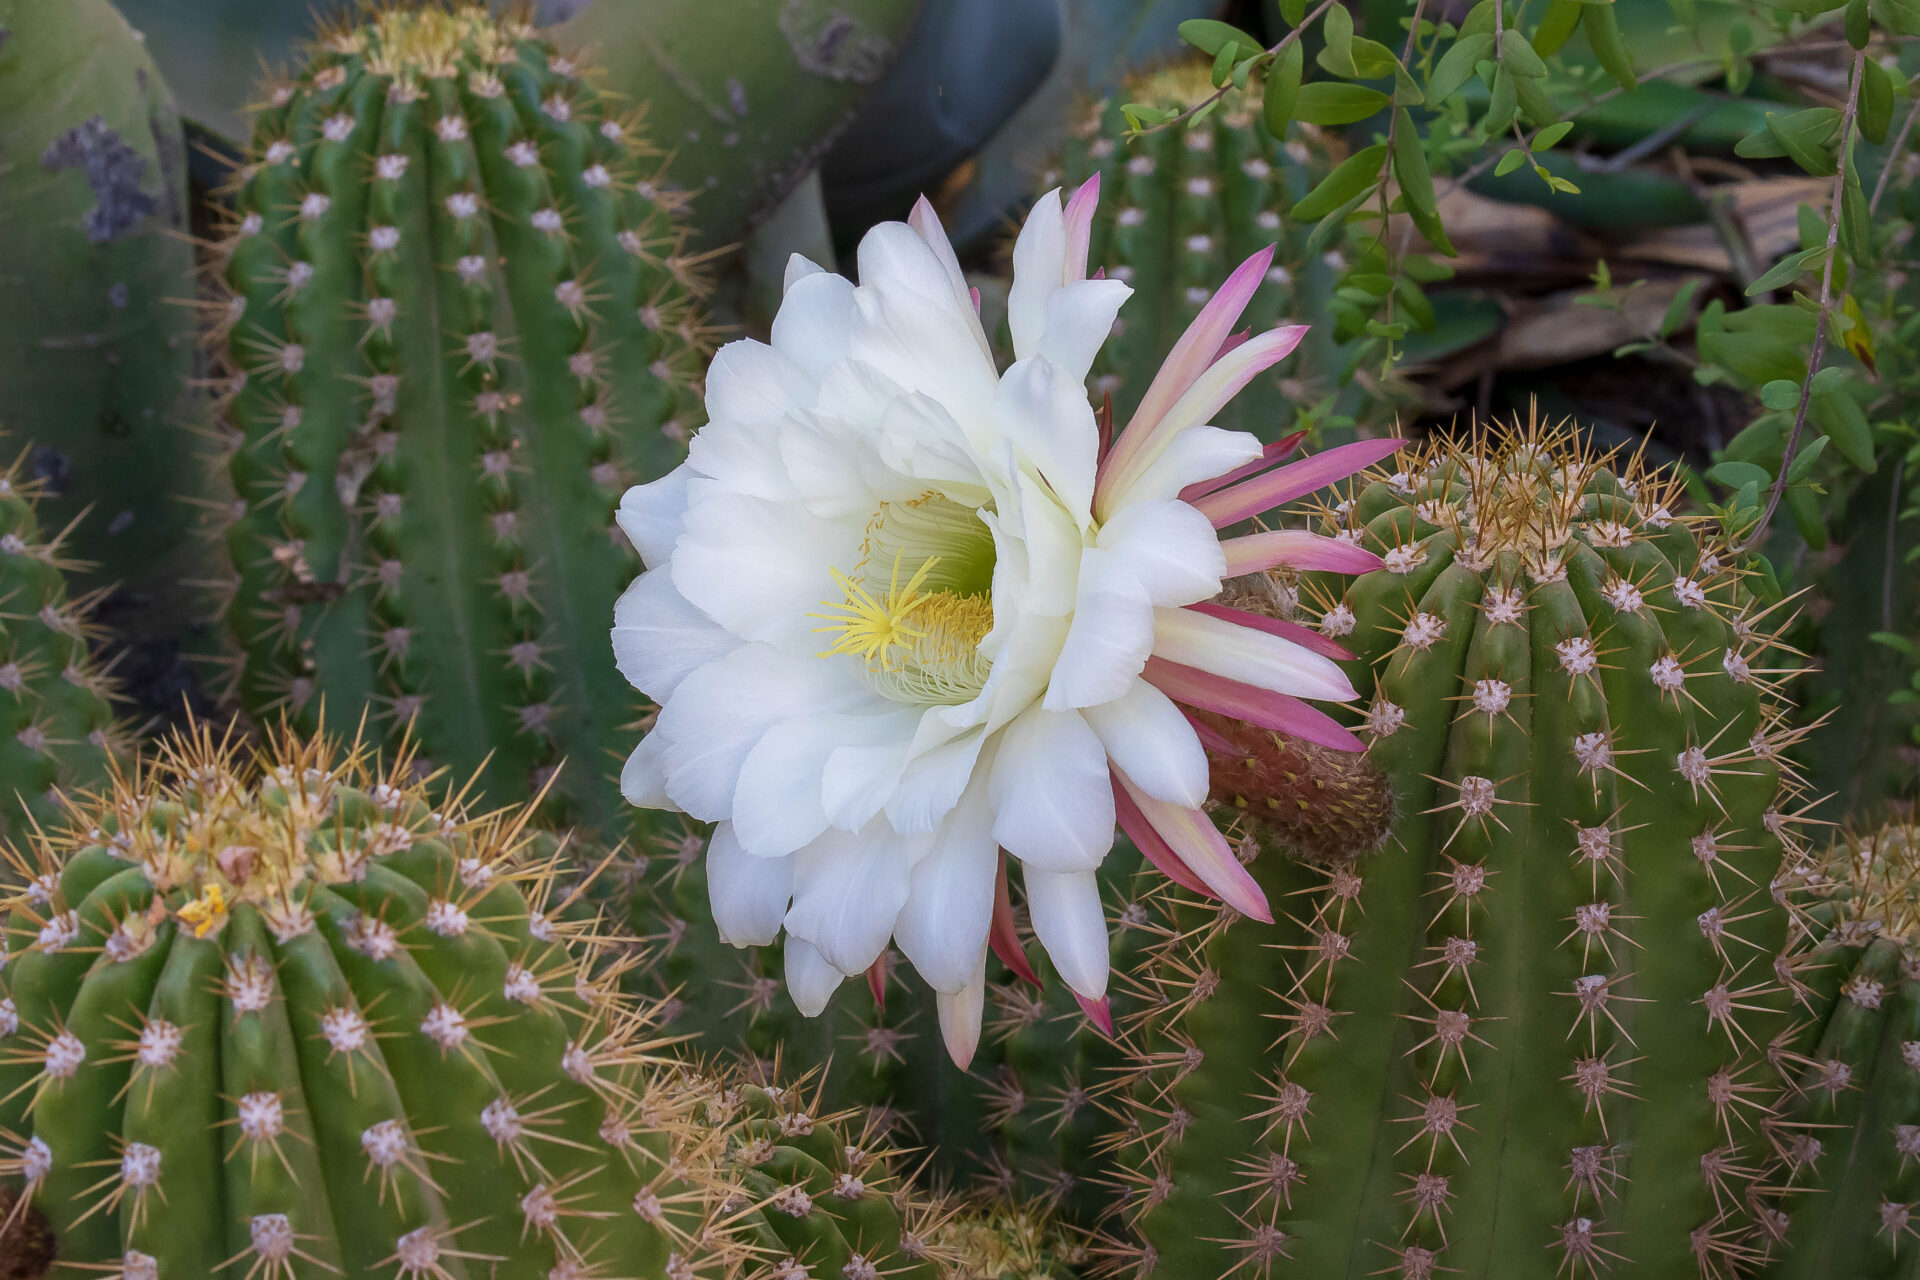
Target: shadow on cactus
[1536, 1032]
[460, 325]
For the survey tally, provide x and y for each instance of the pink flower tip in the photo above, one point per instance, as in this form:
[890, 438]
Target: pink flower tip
[1099, 1012]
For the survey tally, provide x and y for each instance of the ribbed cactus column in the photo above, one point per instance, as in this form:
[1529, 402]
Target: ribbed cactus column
[1179, 210]
[459, 329]
[1529, 1035]
[56, 726]
[1846, 1183]
[284, 1012]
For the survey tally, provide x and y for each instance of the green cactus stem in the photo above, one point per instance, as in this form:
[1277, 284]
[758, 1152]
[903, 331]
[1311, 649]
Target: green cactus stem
[96, 343]
[1530, 1034]
[460, 327]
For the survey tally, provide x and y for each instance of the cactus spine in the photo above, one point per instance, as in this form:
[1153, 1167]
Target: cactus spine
[56, 726]
[1180, 209]
[460, 328]
[96, 339]
[1530, 1035]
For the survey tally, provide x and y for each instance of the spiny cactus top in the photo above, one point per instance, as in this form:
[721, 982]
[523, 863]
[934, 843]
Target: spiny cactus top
[1531, 1035]
[282, 1015]
[460, 326]
[56, 726]
[903, 611]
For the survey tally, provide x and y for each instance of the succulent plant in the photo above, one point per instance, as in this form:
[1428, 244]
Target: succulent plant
[1531, 1034]
[1179, 210]
[1847, 1143]
[1011, 1240]
[284, 1011]
[57, 728]
[460, 327]
[96, 343]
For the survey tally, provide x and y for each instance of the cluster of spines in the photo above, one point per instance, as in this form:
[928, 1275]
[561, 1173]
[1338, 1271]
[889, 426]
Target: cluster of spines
[368, 1054]
[1180, 208]
[1574, 709]
[460, 323]
[57, 728]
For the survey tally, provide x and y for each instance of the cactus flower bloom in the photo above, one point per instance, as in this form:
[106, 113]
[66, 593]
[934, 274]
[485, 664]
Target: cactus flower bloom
[903, 611]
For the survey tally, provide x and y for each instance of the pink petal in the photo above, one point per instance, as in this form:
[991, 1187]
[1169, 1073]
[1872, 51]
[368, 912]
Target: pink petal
[1211, 739]
[1199, 346]
[1268, 456]
[1260, 707]
[1079, 221]
[1191, 836]
[1297, 549]
[1099, 1012]
[1295, 480]
[1305, 637]
[1002, 934]
[877, 982]
[974, 293]
[1231, 341]
[1149, 841]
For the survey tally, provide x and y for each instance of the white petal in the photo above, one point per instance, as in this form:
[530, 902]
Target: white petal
[1171, 548]
[799, 267]
[836, 471]
[776, 805]
[1047, 416]
[643, 779]
[943, 926]
[1079, 320]
[1249, 656]
[1153, 744]
[1039, 269]
[926, 224]
[758, 568]
[749, 895]
[933, 783]
[651, 514]
[752, 386]
[810, 979]
[1071, 924]
[720, 712]
[1053, 546]
[960, 1018]
[861, 773]
[658, 638]
[811, 326]
[1196, 454]
[1110, 639]
[928, 345]
[848, 888]
[1051, 794]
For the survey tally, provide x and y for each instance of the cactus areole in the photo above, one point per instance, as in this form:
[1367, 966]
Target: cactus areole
[459, 328]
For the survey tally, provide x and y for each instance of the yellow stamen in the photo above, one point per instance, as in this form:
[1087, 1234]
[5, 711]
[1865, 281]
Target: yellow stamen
[205, 912]
[872, 628]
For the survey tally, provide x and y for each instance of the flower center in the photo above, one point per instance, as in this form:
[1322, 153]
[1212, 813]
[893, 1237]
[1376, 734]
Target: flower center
[918, 603]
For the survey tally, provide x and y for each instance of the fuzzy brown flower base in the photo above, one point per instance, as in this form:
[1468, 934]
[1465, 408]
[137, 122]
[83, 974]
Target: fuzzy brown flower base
[26, 1241]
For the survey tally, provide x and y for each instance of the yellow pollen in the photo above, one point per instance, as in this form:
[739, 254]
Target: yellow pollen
[206, 911]
[874, 628]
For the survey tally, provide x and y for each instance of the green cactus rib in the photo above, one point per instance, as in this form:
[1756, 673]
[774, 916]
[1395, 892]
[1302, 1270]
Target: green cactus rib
[1846, 1181]
[1179, 210]
[460, 328]
[305, 1021]
[57, 730]
[96, 345]
[1530, 1036]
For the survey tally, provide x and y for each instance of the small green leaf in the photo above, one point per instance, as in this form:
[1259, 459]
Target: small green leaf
[1294, 12]
[1331, 102]
[1676, 314]
[1805, 135]
[1456, 67]
[1803, 461]
[1416, 182]
[1501, 106]
[1780, 395]
[1560, 22]
[1876, 102]
[1283, 89]
[1549, 137]
[1535, 106]
[1839, 416]
[1856, 227]
[1223, 65]
[1759, 145]
[1609, 46]
[1859, 26]
[1355, 176]
[1735, 475]
[1517, 56]
[1898, 643]
[1786, 271]
[1210, 37]
[1509, 162]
